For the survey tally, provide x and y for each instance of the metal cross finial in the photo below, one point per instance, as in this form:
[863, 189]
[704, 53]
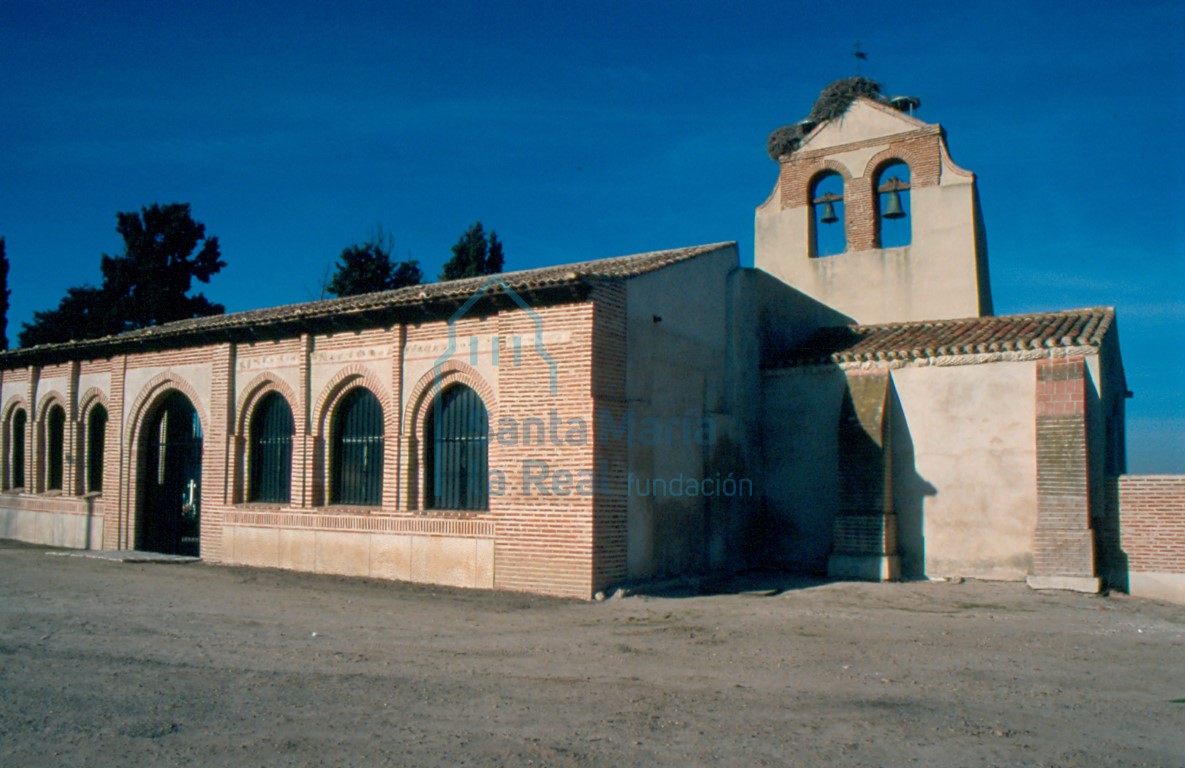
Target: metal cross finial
[860, 55]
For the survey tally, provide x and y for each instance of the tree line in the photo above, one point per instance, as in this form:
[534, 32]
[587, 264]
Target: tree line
[165, 250]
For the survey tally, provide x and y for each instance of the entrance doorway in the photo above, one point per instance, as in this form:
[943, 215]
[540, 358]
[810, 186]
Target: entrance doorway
[171, 479]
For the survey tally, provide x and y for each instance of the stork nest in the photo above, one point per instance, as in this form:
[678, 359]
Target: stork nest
[833, 102]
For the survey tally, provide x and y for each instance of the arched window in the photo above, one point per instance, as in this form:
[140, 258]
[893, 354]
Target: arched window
[271, 451]
[893, 219]
[96, 443]
[827, 215]
[15, 460]
[357, 466]
[55, 443]
[457, 442]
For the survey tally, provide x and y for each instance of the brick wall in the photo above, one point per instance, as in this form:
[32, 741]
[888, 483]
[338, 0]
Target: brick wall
[1150, 536]
[921, 150]
[545, 528]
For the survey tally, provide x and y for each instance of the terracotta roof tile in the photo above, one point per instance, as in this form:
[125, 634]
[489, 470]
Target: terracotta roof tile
[939, 338]
[578, 273]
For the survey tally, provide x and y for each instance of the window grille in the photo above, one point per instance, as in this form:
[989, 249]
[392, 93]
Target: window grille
[96, 443]
[458, 450]
[271, 451]
[357, 468]
[55, 426]
[17, 449]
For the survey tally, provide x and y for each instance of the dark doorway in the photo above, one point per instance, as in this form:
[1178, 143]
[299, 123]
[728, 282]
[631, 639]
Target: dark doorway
[171, 479]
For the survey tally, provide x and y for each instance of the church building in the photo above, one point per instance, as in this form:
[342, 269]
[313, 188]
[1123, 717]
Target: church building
[849, 407]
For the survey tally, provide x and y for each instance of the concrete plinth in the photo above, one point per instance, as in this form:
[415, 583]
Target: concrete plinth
[1089, 584]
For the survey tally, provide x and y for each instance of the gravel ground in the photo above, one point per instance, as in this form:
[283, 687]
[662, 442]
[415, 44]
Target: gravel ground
[112, 664]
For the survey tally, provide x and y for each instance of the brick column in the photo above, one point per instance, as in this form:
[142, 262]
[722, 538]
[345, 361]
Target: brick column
[33, 483]
[394, 417]
[115, 488]
[302, 444]
[864, 532]
[72, 449]
[860, 214]
[217, 444]
[1063, 543]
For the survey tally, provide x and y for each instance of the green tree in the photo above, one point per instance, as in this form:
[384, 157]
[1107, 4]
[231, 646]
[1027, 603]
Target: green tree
[148, 284]
[368, 267]
[474, 255]
[4, 294]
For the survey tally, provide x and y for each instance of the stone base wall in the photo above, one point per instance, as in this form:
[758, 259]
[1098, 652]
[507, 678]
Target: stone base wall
[453, 552]
[55, 521]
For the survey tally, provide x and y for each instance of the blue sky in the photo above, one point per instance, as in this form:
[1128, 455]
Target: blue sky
[587, 130]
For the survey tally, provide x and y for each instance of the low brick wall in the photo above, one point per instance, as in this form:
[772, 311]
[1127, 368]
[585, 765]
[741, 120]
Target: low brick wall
[1144, 549]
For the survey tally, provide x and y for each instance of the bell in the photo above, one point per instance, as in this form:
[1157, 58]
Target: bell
[893, 209]
[828, 216]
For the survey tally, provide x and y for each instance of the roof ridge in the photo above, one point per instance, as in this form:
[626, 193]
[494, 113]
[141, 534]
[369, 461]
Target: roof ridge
[551, 276]
[940, 322]
[922, 339]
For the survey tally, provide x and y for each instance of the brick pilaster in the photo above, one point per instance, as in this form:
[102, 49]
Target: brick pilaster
[392, 425]
[1063, 543]
[33, 483]
[115, 488]
[73, 452]
[302, 441]
[393, 481]
[217, 445]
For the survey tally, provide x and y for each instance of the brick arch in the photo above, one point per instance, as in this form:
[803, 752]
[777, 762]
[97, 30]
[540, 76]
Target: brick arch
[920, 155]
[261, 386]
[347, 378]
[10, 408]
[14, 402]
[883, 160]
[798, 178]
[41, 457]
[451, 372]
[253, 394]
[90, 398]
[49, 399]
[151, 394]
[827, 168]
[872, 172]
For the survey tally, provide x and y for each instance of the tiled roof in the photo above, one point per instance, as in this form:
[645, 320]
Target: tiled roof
[940, 338]
[342, 309]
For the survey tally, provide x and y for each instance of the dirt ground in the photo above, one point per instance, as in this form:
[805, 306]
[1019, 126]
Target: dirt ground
[112, 664]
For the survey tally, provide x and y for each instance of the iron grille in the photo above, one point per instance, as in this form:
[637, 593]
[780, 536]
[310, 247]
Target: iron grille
[56, 439]
[19, 420]
[358, 450]
[458, 460]
[96, 442]
[170, 509]
[271, 451]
